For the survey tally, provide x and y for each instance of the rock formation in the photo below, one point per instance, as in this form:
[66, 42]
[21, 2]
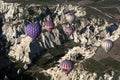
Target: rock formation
[88, 33]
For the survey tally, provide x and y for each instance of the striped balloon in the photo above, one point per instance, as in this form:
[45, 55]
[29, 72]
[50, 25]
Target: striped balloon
[68, 30]
[49, 25]
[107, 45]
[66, 66]
[33, 30]
[70, 17]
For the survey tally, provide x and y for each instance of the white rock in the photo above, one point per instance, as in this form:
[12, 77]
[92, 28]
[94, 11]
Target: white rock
[25, 66]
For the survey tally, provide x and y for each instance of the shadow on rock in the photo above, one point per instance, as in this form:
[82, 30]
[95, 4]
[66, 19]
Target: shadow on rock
[8, 69]
[61, 37]
[43, 15]
[111, 29]
[92, 29]
[83, 30]
[4, 47]
[1, 23]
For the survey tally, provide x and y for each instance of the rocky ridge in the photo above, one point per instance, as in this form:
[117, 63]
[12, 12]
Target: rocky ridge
[16, 35]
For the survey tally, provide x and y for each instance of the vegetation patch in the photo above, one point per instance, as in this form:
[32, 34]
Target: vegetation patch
[111, 63]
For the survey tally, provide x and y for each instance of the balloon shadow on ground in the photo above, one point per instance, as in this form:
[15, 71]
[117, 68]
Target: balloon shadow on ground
[35, 49]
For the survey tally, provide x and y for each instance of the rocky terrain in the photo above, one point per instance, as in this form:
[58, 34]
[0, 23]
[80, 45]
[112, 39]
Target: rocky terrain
[33, 60]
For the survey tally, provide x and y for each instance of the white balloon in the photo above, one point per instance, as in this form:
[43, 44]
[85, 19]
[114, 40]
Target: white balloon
[107, 45]
[70, 17]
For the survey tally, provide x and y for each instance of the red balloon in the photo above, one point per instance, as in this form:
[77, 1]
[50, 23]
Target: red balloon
[68, 30]
[66, 66]
[49, 25]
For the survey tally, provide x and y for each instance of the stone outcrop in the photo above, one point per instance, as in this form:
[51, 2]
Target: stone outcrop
[15, 18]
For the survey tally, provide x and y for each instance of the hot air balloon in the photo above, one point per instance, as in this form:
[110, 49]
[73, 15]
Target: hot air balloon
[107, 45]
[33, 30]
[66, 66]
[49, 25]
[70, 17]
[68, 30]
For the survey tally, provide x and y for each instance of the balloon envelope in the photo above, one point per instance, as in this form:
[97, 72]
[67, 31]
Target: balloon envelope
[107, 45]
[49, 25]
[70, 17]
[66, 66]
[68, 30]
[33, 30]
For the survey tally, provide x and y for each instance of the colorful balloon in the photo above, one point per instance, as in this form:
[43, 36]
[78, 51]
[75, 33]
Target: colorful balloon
[68, 30]
[66, 66]
[49, 25]
[107, 45]
[33, 30]
[70, 17]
